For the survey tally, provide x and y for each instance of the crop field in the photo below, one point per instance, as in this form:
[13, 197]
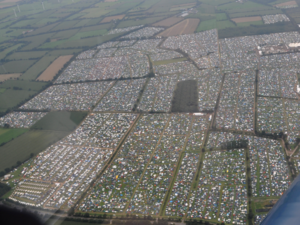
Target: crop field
[3, 53]
[187, 26]
[110, 18]
[26, 55]
[65, 25]
[18, 66]
[64, 52]
[285, 4]
[36, 41]
[53, 69]
[60, 121]
[31, 142]
[149, 20]
[38, 67]
[4, 77]
[11, 98]
[182, 6]
[246, 19]
[7, 135]
[65, 34]
[24, 85]
[168, 22]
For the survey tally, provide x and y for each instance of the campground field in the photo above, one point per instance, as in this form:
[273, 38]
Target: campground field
[186, 26]
[53, 69]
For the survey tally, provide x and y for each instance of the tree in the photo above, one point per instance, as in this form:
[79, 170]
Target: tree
[86, 214]
[71, 211]
[6, 125]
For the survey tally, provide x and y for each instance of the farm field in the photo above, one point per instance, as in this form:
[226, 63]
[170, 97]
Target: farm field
[186, 26]
[7, 135]
[156, 109]
[246, 19]
[18, 66]
[26, 55]
[53, 69]
[10, 98]
[60, 121]
[4, 77]
[34, 71]
[31, 142]
[168, 22]
[110, 18]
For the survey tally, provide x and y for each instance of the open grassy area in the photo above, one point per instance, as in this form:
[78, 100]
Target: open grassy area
[60, 121]
[7, 135]
[18, 66]
[11, 98]
[31, 142]
[26, 55]
[23, 85]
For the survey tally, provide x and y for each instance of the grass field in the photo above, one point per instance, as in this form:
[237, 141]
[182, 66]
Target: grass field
[54, 68]
[38, 68]
[255, 30]
[8, 50]
[7, 135]
[65, 25]
[4, 77]
[36, 41]
[2, 90]
[129, 23]
[18, 66]
[25, 85]
[60, 121]
[65, 34]
[64, 52]
[26, 55]
[250, 23]
[31, 142]
[10, 98]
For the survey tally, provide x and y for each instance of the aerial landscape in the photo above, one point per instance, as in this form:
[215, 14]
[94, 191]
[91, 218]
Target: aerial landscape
[149, 111]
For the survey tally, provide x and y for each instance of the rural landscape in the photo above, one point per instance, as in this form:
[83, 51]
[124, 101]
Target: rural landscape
[149, 111]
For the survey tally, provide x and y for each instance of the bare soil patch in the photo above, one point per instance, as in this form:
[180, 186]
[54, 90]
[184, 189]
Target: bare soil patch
[53, 69]
[4, 77]
[187, 26]
[110, 0]
[246, 19]
[110, 18]
[168, 22]
[286, 4]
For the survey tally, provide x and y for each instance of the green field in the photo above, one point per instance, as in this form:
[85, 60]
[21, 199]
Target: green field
[7, 135]
[3, 53]
[60, 121]
[11, 98]
[38, 68]
[31, 142]
[18, 66]
[2, 90]
[24, 85]
[26, 55]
